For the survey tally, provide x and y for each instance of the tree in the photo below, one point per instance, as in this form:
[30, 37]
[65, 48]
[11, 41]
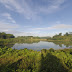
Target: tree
[3, 35]
[66, 34]
[6, 36]
[60, 34]
[10, 36]
[70, 33]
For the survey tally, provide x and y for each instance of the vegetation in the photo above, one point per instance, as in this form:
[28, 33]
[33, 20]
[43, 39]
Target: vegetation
[27, 37]
[45, 37]
[65, 43]
[24, 60]
[6, 36]
[60, 37]
[12, 60]
[11, 41]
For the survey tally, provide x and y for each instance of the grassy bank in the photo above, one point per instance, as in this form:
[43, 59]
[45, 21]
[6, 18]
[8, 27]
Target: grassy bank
[10, 42]
[13, 60]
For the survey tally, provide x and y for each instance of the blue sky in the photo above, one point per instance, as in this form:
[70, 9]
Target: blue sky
[35, 17]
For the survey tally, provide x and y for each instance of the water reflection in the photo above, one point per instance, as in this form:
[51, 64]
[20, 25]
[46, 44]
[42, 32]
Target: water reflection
[65, 43]
[39, 45]
[7, 45]
[20, 41]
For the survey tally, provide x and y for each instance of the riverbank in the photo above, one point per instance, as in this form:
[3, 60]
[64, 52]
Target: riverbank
[24, 60]
[58, 40]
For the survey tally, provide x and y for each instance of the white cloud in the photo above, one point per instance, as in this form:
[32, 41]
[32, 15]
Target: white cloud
[7, 26]
[14, 32]
[54, 6]
[57, 26]
[22, 8]
[34, 34]
[61, 26]
[8, 16]
[27, 26]
[30, 9]
[29, 34]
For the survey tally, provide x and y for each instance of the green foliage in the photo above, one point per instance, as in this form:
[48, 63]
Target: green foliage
[66, 34]
[60, 34]
[27, 37]
[11, 41]
[24, 60]
[51, 50]
[12, 60]
[65, 37]
[6, 36]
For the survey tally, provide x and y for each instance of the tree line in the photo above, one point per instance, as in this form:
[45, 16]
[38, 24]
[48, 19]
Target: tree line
[3, 35]
[66, 36]
[28, 37]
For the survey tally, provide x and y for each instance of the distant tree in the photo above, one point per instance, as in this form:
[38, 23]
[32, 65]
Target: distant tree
[55, 36]
[60, 34]
[66, 34]
[3, 35]
[70, 33]
[10, 36]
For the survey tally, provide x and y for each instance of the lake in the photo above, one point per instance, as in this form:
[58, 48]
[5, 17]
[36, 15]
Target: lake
[42, 45]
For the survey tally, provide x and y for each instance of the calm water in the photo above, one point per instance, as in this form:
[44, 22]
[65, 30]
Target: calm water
[42, 45]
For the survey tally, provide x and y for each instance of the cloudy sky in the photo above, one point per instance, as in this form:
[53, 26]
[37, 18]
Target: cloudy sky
[35, 17]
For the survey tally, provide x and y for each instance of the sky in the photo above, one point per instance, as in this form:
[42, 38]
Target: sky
[35, 17]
